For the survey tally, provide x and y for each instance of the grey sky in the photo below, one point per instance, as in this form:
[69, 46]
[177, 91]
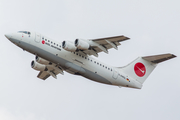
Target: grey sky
[152, 25]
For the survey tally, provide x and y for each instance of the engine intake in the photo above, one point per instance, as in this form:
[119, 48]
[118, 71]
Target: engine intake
[68, 46]
[37, 66]
[82, 44]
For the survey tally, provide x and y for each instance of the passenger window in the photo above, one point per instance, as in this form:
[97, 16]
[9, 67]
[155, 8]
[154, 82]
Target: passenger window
[98, 63]
[48, 41]
[43, 38]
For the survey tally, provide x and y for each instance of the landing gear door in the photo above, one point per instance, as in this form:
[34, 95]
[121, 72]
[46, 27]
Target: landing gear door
[38, 37]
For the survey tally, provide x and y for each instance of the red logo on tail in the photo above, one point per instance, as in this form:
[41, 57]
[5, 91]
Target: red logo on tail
[140, 69]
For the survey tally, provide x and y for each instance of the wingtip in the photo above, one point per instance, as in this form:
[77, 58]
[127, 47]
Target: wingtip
[173, 56]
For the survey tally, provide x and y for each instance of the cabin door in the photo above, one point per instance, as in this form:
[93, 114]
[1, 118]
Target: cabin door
[37, 37]
[115, 74]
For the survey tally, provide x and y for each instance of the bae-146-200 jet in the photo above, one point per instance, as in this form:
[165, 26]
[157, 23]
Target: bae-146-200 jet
[54, 57]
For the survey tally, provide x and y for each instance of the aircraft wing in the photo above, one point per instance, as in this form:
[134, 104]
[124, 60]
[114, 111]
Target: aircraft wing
[103, 44]
[52, 72]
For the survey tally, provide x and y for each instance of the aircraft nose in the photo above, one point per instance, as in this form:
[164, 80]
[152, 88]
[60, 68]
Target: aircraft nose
[8, 36]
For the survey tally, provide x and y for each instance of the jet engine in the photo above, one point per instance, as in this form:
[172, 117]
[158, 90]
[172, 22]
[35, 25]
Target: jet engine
[37, 66]
[68, 46]
[81, 44]
[42, 61]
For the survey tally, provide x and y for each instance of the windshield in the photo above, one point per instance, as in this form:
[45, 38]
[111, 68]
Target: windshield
[26, 32]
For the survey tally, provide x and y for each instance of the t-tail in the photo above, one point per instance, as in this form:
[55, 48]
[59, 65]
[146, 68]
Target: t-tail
[142, 67]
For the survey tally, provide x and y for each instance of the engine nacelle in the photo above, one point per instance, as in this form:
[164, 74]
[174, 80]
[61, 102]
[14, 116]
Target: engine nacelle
[37, 66]
[81, 44]
[42, 61]
[68, 46]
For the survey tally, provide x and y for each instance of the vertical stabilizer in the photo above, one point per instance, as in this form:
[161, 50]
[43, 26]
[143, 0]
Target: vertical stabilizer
[142, 67]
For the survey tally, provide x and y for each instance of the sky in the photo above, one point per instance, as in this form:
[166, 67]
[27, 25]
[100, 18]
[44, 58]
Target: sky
[152, 25]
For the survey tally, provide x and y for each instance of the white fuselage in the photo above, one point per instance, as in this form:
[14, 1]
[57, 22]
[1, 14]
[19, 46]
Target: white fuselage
[72, 62]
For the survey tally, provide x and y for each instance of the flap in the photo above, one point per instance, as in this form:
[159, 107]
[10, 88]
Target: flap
[43, 75]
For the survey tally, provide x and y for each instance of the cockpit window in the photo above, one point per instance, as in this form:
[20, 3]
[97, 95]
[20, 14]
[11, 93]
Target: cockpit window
[26, 32]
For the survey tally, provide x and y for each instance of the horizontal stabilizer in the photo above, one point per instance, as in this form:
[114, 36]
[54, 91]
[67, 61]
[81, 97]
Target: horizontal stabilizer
[159, 58]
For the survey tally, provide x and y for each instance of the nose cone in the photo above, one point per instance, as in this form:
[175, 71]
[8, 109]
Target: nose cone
[8, 36]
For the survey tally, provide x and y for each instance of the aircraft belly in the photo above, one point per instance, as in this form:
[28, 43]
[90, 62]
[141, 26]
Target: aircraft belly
[75, 68]
[95, 77]
[86, 73]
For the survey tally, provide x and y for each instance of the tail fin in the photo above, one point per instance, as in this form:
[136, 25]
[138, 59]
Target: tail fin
[142, 67]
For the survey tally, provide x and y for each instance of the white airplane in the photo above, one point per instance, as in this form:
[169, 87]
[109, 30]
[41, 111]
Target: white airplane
[54, 57]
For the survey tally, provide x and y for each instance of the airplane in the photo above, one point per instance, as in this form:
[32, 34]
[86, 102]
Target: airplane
[53, 58]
